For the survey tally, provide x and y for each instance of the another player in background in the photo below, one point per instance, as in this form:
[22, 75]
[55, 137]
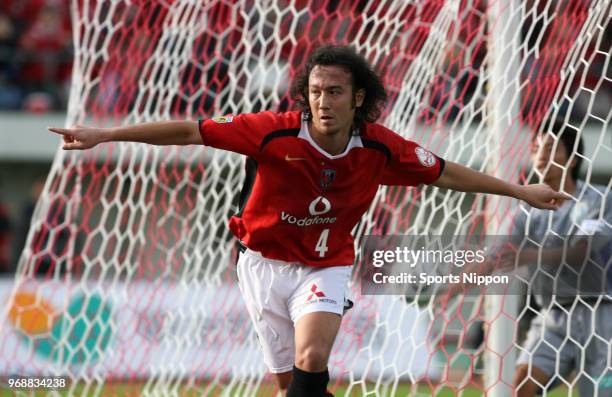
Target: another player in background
[568, 333]
[311, 174]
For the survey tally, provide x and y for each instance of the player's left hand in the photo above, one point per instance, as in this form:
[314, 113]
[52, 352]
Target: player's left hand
[543, 196]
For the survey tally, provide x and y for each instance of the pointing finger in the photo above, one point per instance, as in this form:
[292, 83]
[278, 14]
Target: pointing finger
[563, 196]
[62, 131]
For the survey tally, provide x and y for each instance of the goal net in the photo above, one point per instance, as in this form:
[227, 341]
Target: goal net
[127, 284]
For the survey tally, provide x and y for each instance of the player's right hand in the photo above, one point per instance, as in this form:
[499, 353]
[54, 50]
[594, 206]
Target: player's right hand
[79, 137]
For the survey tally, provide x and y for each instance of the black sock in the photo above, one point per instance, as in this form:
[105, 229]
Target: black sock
[308, 384]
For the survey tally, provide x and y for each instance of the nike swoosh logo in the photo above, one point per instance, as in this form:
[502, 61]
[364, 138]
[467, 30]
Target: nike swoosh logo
[293, 158]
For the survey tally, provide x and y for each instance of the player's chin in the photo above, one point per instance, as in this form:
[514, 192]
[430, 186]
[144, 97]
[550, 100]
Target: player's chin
[327, 129]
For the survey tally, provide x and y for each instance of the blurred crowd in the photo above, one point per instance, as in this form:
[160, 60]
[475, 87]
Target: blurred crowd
[35, 54]
[14, 228]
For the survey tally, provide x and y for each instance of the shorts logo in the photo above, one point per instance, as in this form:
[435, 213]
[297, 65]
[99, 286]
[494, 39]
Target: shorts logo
[315, 292]
[425, 157]
[223, 119]
[315, 206]
[327, 177]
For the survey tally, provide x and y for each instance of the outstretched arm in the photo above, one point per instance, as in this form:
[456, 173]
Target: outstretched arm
[457, 177]
[156, 133]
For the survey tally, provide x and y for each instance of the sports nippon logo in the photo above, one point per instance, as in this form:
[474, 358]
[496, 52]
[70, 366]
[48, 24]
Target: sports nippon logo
[425, 157]
[318, 295]
[318, 206]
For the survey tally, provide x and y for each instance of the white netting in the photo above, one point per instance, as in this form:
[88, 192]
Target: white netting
[139, 294]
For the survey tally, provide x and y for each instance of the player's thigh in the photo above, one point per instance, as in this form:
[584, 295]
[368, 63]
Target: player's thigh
[316, 307]
[283, 379]
[263, 290]
[595, 379]
[314, 336]
[548, 346]
[528, 380]
[319, 290]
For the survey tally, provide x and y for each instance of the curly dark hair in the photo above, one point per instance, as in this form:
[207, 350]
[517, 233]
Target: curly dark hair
[363, 76]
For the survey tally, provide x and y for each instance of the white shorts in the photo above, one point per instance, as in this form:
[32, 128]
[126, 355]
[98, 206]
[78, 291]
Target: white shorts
[277, 294]
[579, 339]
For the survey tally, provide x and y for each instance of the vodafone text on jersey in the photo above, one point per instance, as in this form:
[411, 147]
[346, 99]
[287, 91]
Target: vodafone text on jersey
[318, 206]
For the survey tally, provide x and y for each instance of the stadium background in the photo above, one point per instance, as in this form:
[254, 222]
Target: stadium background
[35, 71]
[35, 65]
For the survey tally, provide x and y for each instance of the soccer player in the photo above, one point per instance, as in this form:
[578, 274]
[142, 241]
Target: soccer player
[568, 333]
[310, 175]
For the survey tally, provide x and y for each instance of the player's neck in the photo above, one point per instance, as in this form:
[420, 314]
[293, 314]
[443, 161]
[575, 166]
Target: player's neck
[334, 144]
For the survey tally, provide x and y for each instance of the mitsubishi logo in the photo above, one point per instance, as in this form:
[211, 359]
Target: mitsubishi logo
[318, 294]
[319, 206]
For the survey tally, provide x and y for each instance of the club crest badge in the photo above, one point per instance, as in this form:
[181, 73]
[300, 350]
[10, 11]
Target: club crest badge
[327, 177]
[425, 157]
[223, 119]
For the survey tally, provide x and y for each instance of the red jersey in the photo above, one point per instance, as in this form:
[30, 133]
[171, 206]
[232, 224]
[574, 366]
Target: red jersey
[299, 203]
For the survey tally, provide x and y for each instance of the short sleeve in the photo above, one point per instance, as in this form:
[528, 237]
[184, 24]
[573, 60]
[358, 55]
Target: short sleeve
[242, 133]
[410, 164]
[599, 226]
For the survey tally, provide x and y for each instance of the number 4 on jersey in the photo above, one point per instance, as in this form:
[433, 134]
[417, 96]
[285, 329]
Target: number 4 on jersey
[321, 247]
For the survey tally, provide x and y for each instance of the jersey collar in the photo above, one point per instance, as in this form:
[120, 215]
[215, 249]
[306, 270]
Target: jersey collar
[354, 142]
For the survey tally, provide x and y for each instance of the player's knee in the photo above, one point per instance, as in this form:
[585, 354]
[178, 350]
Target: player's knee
[522, 371]
[524, 385]
[283, 379]
[311, 358]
